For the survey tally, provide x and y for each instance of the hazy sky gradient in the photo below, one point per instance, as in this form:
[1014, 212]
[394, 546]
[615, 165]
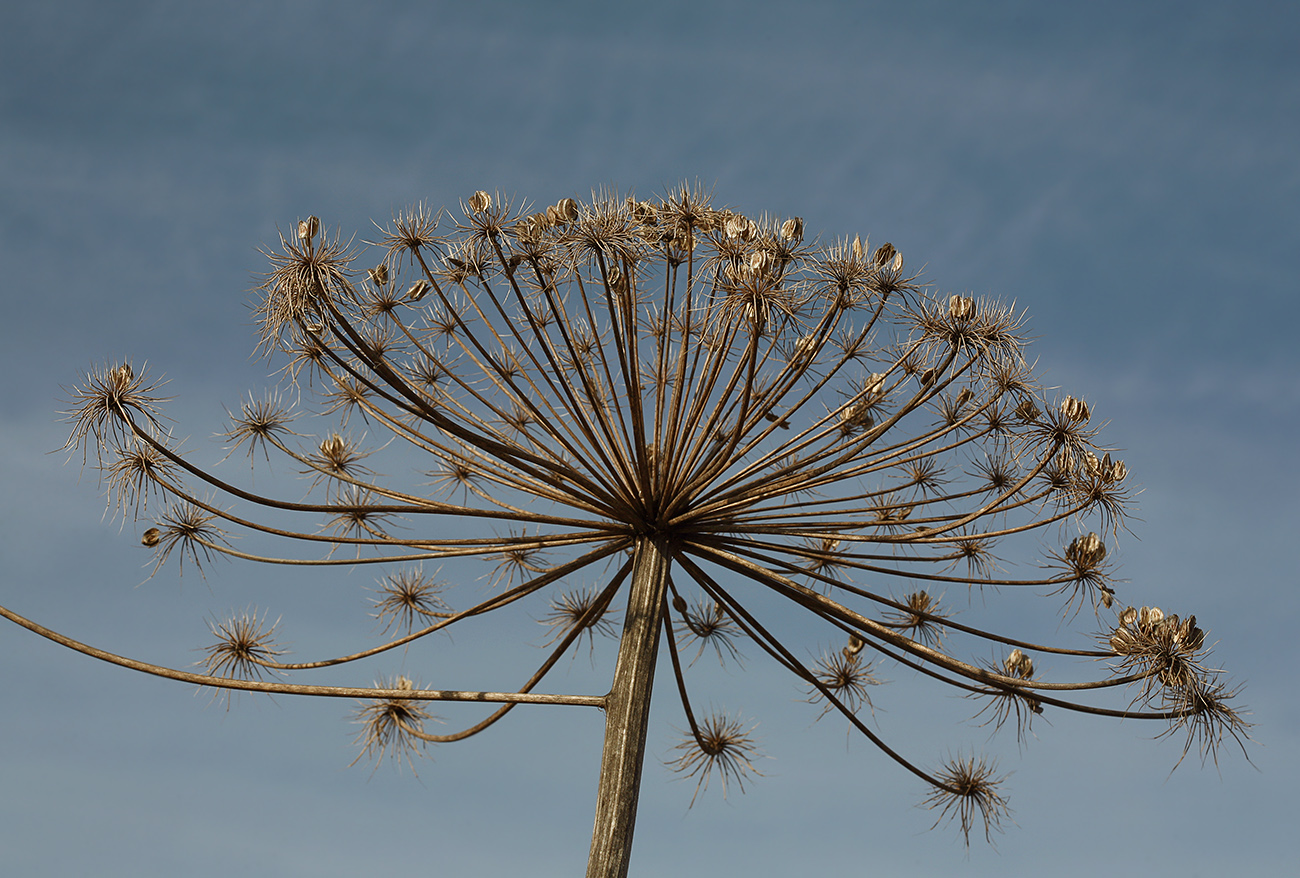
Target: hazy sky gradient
[1126, 172]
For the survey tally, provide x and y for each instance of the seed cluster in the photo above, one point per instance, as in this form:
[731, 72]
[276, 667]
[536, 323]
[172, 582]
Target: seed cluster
[791, 418]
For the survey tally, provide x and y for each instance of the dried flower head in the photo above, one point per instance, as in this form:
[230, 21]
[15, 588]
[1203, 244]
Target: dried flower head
[1165, 648]
[707, 623]
[111, 403]
[1006, 702]
[137, 475]
[337, 459]
[408, 598]
[411, 234]
[244, 648]
[969, 792]
[580, 610]
[188, 528]
[921, 617]
[306, 277]
[393, 727]
[721, 745]
[262, 423]
[847, 676]
[1084, 575]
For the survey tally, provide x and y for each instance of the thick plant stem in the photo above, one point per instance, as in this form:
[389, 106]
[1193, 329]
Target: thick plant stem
[626, 715]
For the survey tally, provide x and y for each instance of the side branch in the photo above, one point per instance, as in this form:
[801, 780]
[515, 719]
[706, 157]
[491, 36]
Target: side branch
[295, 689]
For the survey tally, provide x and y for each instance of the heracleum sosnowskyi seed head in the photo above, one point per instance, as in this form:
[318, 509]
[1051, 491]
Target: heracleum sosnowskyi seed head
[669, 416]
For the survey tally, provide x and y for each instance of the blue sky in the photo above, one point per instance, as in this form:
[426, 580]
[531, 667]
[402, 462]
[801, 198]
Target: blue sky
[1125, 172]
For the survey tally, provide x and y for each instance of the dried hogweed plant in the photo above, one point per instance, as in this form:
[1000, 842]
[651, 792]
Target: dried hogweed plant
[724, 425]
